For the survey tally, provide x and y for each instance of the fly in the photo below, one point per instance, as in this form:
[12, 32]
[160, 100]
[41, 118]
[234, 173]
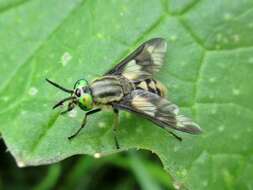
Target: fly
[130, 86]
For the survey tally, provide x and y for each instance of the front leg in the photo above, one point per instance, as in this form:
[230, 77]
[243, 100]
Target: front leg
[84, 122]
[71, 106]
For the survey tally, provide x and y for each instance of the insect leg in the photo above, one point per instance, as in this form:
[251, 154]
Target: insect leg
[174, 135]
[71, 106]
[84, 122]
[116, 126]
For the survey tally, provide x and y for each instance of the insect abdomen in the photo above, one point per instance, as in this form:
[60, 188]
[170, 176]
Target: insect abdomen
[106, 89]
[151, 85]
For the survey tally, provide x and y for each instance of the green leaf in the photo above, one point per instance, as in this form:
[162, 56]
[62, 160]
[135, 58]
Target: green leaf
[208, 71]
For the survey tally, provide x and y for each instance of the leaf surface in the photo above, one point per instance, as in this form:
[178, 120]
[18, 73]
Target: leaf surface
[208, 72]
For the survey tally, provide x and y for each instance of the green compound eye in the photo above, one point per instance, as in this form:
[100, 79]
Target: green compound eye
[86, 102]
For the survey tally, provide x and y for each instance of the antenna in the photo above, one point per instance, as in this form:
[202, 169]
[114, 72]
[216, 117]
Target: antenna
[60, 87]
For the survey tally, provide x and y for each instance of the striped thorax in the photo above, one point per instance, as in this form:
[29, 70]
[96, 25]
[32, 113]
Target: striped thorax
[109, 89]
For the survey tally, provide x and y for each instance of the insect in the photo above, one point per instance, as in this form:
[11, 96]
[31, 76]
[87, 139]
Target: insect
[130, 86]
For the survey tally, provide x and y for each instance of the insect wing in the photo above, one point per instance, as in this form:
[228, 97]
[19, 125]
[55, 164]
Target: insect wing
[157, 109]
[143, 62]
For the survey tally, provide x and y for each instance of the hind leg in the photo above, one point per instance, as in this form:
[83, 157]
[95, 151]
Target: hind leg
[174, 135]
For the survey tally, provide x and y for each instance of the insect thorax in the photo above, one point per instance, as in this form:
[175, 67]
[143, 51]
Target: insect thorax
[109, 89]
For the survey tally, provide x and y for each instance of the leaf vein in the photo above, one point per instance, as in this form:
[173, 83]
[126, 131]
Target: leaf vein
[189, 7]
[199, 71]
[191, 32]
[13, 5]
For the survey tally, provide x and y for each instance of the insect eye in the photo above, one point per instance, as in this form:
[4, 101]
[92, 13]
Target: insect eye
[78, 92]
[85, 90]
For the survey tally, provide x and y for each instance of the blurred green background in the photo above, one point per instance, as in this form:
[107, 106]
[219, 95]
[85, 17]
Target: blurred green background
[129, 170]
[208, 72]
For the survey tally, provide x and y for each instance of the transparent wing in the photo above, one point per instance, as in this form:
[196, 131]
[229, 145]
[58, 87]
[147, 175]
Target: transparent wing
[143, 62]
[157, 109]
